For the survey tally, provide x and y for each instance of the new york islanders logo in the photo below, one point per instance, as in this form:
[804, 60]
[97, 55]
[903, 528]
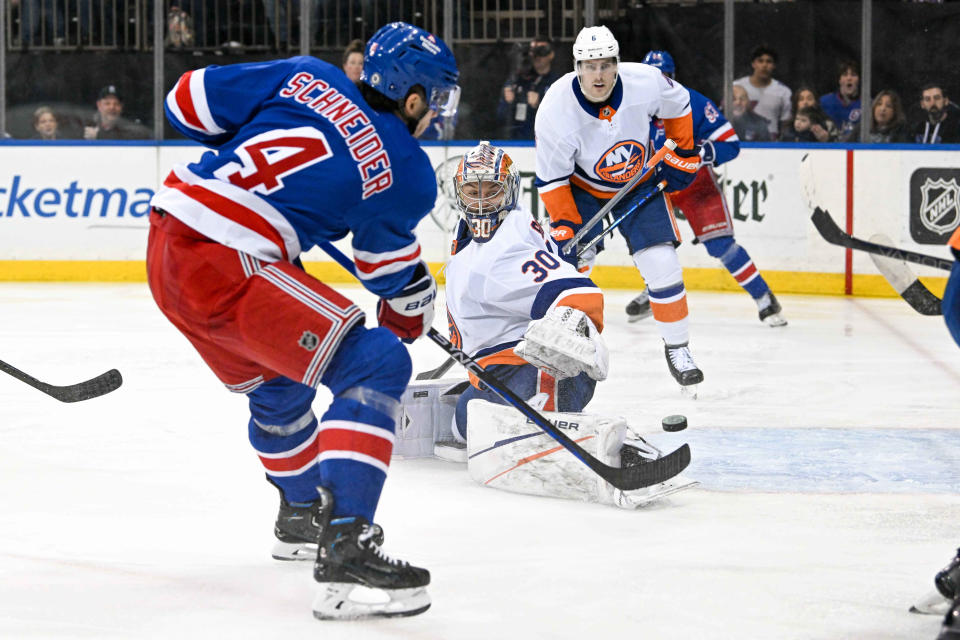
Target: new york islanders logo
[620, 162]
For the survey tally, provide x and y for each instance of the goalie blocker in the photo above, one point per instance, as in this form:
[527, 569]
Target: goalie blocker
[505, 451]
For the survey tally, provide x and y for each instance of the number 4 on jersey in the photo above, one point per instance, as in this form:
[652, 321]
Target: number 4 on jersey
[269, 156]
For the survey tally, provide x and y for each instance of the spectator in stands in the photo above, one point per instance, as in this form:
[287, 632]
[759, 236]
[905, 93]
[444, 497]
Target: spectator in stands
[807, 124]
[939, 122]
[353, 60]
[769, 98]
[843, 106]
[821, 126]
[108, 122]
[45, 124]
[524, 89]
[749, 126]
[278, 20]
[889, 123]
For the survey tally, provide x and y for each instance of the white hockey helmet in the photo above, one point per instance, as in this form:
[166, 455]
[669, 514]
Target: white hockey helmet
[595, 43]
[487, 185]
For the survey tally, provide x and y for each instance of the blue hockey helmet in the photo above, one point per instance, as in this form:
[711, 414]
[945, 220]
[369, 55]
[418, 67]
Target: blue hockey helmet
[661, 60]
[400, 55]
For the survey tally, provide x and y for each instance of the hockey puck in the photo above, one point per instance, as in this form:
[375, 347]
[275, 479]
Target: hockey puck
[674, 423]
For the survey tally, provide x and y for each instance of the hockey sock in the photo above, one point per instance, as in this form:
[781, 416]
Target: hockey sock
[738, 262]
[661, 270]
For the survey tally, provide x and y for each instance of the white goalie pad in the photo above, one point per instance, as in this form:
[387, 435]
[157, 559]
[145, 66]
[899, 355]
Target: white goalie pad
[565, 343]
[426, 417]
[507, 452]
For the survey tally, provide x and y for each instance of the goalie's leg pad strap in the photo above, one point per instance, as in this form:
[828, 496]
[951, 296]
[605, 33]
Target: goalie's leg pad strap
[426, 418]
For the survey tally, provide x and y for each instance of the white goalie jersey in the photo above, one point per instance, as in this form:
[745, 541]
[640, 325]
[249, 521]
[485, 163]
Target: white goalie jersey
[494, 289]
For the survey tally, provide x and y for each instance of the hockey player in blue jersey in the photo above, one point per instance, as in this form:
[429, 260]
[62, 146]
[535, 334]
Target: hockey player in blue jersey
[299, 155]
[703, 203]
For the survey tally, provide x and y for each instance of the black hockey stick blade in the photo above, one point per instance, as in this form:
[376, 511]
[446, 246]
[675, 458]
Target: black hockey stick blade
[625, 479]
[905, 282]
[834, 235]
[433, 374]
[101, 385]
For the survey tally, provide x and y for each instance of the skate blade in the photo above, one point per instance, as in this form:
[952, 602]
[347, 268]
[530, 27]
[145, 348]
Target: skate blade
[334, 602]
[933, 604]
[639, 316]
[775, 320]
[689, 391]
[643, 497]
[294, 551]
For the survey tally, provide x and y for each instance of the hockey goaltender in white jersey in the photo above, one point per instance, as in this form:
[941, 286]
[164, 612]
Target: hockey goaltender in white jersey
[534, 321]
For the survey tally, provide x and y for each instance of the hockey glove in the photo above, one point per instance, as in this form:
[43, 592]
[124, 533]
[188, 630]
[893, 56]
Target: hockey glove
[679, 168]
[565, 343]
[708, 153]
[410, 313]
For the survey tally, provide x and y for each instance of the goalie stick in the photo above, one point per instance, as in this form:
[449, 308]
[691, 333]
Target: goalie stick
[433, 374]
[905, 281]
[625, 479]
[101, 385]
[834, 235]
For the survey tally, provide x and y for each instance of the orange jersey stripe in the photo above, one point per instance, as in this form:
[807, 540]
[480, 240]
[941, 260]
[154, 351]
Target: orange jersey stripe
[589, 188]
[671, 311]
[560, 205]
[507, 356]
[955, 239]
[590, 303]
[680, 130]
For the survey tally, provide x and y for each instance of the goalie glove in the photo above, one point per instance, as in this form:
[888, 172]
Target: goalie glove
[410, 313]
[565, 343]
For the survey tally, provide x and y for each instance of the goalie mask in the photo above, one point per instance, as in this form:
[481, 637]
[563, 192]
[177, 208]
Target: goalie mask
[487, 185]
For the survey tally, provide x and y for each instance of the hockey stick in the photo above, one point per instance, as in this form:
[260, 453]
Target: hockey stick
[102, 384]
[433, 374]
[834, 235]
[654, 160]
[625, 479]
[616, 223]
[905, 281]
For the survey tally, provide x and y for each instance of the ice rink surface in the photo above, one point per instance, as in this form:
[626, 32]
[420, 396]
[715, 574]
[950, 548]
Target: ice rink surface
[828, 452]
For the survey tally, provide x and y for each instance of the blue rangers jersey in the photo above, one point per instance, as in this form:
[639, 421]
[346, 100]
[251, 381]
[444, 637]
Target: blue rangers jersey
[708, 124]
[298, 159]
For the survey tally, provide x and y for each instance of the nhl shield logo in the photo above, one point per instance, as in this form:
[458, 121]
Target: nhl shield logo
[620, 162]
[309, 340]
[940, 204]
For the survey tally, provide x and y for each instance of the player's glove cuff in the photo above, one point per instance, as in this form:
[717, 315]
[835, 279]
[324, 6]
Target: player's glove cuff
[410, 313]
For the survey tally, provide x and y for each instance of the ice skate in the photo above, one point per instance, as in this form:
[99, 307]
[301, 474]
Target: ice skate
[683, 368]
[637, 451]
[951, 623]
[297, 529]
[349, 557]
[639, 307]
[770, 310]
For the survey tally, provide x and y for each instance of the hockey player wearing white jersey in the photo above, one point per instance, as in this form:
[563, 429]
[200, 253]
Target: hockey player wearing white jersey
[592, 138]
[534, 321]
[513, 302]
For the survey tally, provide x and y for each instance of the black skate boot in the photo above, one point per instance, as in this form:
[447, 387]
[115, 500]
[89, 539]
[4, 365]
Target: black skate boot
[350, 556]
[639, 307]
[682, 367]
[948, 579]
[297, 529]
[951, 623]
[770, 310]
